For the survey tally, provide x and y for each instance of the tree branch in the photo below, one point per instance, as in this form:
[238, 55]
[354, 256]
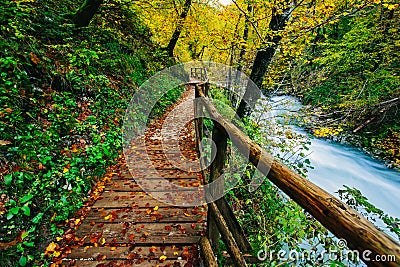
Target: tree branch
[251, 22]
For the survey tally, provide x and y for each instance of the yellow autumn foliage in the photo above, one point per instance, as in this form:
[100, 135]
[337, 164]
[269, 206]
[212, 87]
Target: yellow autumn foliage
[327, 131]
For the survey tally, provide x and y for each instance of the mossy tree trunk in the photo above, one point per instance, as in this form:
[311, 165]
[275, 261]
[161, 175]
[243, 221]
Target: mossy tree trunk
[263, 59]
[179, 27]
[86, 12]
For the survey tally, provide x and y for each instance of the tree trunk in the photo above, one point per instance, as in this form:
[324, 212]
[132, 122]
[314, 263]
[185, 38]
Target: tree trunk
[262, 61]
[179, 27]
[86, 12]
[243, 49]
[231, 95]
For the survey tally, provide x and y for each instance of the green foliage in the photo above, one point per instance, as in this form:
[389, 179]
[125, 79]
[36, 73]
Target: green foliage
[63, 92]
[354, 198]
[351, 72]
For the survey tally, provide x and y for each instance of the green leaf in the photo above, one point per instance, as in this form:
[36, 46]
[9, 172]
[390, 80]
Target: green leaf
[29, 244]
[12, 202]
[24, 235]
[14, 210]
[9, 216]
[37, 218]
[26, 210]
[22, 261]
[8, 179]
[26, 198]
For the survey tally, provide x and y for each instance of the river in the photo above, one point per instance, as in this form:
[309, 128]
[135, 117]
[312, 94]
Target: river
[336, 164]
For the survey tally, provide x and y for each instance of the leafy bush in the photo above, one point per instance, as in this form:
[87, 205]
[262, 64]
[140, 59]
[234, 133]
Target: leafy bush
[63, 92]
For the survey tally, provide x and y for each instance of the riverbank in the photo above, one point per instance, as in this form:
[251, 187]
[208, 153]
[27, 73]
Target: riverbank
[384, 147]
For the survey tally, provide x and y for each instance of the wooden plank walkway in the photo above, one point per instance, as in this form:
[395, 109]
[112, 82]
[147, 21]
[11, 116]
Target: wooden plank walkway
[127, 226]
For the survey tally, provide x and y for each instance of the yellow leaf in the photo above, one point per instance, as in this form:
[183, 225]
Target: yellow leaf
[50, 248]
[163, 258]
[156, 208]
[108, 217]
[113, 248]
[102, 241]
[65, 170]
[176, 253]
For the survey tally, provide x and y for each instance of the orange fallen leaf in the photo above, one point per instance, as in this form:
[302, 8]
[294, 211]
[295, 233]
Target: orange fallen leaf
[34, 58]
[5, 142]
[50, 248]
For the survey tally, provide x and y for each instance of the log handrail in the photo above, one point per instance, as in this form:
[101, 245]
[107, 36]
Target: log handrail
[336, 216]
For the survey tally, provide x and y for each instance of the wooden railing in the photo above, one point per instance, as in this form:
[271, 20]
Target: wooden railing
[199, 74]
[336, 216]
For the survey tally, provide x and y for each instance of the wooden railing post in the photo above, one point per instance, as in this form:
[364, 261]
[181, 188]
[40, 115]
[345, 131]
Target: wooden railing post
[198, 110]
[229, 240]
[220, 217]
[216, 170]
[207, 251]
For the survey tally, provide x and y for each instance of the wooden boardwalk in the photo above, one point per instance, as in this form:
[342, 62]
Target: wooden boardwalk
[126, 226]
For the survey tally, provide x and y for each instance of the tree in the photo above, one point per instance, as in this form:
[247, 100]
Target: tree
[86, 12]
[179, 27]
[263, 59]
[243, 49]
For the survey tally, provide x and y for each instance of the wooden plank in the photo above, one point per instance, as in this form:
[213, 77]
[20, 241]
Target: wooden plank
[141, 163]
[135, 233]
[125, 252]
[134, 215]
[157, 174]
[336, 216]
[157, 147]
[135, 200]
[150, 184]
[160, 155]
[126, 263]
[177, 240]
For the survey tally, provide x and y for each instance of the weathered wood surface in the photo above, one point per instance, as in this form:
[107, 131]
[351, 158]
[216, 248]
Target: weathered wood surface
[207, 252]
[226, 235]
[132, 263]
[336, 216]
[126, 226]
